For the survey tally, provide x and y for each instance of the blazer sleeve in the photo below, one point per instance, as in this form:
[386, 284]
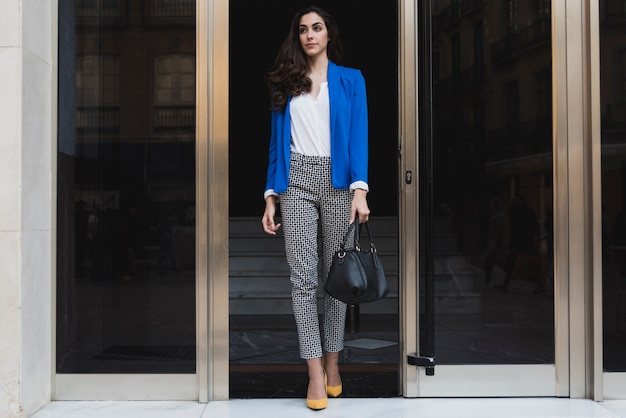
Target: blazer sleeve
[358, 139]
[273, 155]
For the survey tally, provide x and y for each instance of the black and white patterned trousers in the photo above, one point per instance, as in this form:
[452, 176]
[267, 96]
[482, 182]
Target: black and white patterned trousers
[311, 204]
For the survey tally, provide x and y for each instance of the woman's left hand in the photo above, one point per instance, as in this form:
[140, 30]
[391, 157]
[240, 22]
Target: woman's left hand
[359, 207]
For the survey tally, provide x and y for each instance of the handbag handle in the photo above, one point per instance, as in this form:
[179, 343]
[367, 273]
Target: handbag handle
[357, 245]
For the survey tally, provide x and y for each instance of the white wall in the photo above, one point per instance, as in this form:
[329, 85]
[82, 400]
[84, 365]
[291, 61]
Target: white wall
[27, 190]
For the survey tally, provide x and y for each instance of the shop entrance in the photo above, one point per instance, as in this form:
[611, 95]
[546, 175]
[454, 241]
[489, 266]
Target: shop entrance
[460, 133]
[263, 338]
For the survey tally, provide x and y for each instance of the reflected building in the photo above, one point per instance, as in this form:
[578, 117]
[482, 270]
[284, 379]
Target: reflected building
[126, 183]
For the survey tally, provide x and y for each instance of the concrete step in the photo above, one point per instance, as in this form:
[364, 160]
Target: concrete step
[385, 243]
[252, 285]
[378, 225]
[243, 244]
[284, 307]
[246, 236]
[444, 304]
[277, 263]
[252, 225]
[259, 274]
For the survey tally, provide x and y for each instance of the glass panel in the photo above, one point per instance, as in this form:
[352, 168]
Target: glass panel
[126, 187]
[492, 182]
[613, 108]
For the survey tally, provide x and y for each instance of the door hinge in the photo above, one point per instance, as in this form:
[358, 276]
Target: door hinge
[427, 362]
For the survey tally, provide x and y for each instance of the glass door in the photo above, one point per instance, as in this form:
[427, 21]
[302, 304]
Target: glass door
[485, 201]
[612, 16]
[126, 267]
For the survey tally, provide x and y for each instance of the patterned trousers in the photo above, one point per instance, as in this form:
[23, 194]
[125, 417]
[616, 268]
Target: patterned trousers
[311, 204]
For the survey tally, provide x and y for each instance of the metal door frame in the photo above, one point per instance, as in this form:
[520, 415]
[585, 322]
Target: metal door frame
[606, 385]
[212, 200]
[210, 382]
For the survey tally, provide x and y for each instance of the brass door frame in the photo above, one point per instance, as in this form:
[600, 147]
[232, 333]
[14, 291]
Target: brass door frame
[409, 193]
[577, 180]
[605, 385]
[210, 382]
[212, 200]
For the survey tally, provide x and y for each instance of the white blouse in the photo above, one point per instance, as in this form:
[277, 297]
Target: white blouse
[310, 123]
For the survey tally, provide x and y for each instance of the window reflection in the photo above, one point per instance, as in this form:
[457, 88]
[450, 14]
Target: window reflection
[174, 93]
[492, 174]
[126, 189]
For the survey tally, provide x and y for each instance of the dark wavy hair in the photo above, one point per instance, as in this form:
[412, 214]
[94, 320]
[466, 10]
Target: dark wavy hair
[288, 75]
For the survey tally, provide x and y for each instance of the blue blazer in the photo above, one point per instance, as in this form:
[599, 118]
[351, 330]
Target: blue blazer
[348, 133]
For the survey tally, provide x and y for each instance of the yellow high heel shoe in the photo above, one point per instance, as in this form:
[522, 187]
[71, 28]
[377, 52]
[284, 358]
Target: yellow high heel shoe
[332, 391]
[317, 404]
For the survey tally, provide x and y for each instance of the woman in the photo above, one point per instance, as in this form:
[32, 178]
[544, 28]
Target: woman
[318, 169]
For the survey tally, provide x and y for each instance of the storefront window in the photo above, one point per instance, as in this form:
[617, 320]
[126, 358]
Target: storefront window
[126, 187]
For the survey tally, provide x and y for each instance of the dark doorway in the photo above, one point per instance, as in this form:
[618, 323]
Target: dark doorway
[263, 344]
[369, 36]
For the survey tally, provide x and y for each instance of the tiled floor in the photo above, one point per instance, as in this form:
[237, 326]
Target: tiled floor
[342, 408]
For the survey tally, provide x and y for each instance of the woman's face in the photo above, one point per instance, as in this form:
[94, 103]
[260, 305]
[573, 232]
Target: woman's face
[313, 34]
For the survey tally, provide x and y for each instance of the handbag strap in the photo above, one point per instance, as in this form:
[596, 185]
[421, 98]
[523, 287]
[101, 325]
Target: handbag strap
[369, 236]
[353, 229]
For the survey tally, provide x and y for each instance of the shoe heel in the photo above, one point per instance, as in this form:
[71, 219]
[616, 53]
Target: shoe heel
[332, 391]
[318, 404]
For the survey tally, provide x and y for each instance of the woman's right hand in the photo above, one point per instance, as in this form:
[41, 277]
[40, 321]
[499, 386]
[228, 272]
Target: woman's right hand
[268, 216]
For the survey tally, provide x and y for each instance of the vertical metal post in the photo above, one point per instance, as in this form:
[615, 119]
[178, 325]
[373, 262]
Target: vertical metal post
[426, 136]
[426, 356]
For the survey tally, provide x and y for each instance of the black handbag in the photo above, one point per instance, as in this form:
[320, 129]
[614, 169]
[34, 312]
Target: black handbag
[356, 275]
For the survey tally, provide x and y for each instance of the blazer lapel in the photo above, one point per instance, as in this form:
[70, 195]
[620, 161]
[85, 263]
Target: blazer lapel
[333, 92]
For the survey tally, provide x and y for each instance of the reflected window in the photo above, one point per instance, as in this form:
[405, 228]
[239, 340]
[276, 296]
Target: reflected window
[97, 81]
[174, 92]
[97, 88]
